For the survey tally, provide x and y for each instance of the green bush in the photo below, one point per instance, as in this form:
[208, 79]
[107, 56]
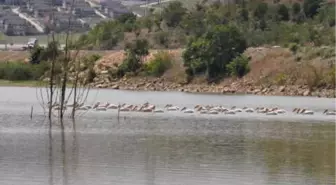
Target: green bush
[17, 71]
[162, 38]
[293, 47]
[239, 66]
[161, 62]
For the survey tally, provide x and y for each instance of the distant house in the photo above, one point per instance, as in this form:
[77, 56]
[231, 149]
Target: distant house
[13, 2]
[11, 24]
[84, 12]
[60, 23]
[113, 8]
[42, 10]
[14, 26]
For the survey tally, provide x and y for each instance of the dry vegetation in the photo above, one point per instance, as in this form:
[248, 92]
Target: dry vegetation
[312, 67]
[269, 66]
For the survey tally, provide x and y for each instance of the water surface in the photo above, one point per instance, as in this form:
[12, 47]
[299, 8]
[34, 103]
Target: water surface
[171, 149]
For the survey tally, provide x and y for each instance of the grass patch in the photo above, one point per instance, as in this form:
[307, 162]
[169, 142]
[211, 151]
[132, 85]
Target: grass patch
[18, 71]
[27, 83]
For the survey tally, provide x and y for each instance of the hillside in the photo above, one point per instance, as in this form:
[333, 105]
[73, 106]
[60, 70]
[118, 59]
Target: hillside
[274, 71]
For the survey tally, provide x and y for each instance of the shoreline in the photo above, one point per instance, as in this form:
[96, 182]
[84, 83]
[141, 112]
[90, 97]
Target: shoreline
[25, 83]
[157, 84]
[218, 89]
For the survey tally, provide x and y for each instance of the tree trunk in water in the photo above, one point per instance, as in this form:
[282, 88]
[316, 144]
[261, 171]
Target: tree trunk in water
[75, 98]
[51, 80]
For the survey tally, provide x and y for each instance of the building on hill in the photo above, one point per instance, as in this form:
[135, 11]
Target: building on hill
[113, 8]
[84, 12]
[60, 23]
[12, 2]
[14, 26]
[42, 10]
[11, 24]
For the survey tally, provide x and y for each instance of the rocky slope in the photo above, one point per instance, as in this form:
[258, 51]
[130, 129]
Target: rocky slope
[274, 71]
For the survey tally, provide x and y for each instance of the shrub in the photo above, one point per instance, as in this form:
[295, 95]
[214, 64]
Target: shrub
[330, 76]
[314, 77]
[135, 53]
[16, 71]
[281, 79]
[162, 38]
[239, 66]
[293, 47]
[89, 61]
[161, 62]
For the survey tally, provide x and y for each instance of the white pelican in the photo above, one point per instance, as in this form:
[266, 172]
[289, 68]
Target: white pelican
[224, 109]
[271, 113]
[96, 105]
[303, 111]
[158, 111]
[236, 109]
[212, 112]
[185, 110]
[280, 111]
[84, 107]
[249, 110]
[113, 106]
[125, 109]
[230, 112]
[327, 112]
[173, 108]
[59, 108]
[217, 108]
[148, 108]
[262, 110]
[101, 108]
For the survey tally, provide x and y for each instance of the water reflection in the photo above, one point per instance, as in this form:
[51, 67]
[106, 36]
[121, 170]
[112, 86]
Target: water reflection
[64, 159]
[232, 153]
[51, 180]
[312, 155]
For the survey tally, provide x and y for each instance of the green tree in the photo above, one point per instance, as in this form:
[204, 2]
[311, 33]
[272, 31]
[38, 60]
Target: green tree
[244, 14]
[104, 35]
[174, 13]
[39, 54]
[326, 14]
[239, 66]
[260, 10]
[211, 52]
[311, 7]
[127, 18]
[296, 8]
[193, 23]
[297, 15]
[135, 52]
[283, 13]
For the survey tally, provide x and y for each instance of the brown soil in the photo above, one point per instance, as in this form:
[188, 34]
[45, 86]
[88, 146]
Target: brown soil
[13, 56]
[274, 71]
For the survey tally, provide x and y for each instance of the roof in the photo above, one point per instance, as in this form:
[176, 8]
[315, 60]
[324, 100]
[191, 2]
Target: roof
[115, 6]
[15, 21]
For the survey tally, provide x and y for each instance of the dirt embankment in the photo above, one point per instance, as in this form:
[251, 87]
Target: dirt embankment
[274, 71]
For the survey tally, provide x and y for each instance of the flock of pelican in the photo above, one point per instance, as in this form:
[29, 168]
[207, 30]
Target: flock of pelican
[147, 107]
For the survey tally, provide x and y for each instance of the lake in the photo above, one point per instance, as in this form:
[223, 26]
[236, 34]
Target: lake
[172, 148]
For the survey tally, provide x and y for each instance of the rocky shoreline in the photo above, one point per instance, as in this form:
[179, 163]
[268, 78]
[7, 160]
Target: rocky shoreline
[160, 84]
[264, 78]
